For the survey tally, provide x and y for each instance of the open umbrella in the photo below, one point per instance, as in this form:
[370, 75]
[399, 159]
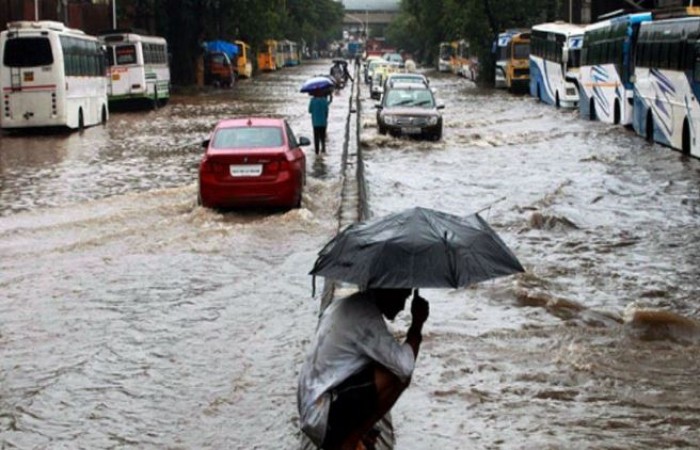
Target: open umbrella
[416, 248]
[319, 83]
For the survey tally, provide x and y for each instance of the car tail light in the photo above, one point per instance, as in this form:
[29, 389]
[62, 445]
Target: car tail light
[280, 165]
[213, 167]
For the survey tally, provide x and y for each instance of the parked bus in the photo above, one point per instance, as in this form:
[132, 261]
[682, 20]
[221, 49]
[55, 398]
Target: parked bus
[290, 52]
[500, 51]
[267, 56]
[555, 53]
[245, 66]
[607, 69]
[446, 52]
[51, 76]
[279, 55]
[517, 68]
[667, 82]
[138, 68]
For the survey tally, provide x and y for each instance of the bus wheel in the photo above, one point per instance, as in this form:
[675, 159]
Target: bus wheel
[591, 111]
[104, 115]
[650, 128]
[81, 120]
[556, 100]
[685, 147]
[616, 118]
[155, 98]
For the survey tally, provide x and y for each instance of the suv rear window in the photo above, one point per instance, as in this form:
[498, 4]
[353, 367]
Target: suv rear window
[27, 52]
[248, 137]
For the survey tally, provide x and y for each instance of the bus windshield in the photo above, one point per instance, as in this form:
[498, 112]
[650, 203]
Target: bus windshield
[126, 54]
[28, 52]
[574, 58]
[521, 51]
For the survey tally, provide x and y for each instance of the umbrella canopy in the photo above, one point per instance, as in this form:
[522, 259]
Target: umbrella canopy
[318, 83]
[230, 49]
[417, 248]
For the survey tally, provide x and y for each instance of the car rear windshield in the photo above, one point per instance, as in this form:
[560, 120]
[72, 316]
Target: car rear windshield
[421, 98]
[28, 52]
[248, 137]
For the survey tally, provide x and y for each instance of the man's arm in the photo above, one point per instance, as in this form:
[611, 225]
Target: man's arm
[419, 311]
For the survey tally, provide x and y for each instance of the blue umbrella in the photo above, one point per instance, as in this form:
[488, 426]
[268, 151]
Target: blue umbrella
[317, 84]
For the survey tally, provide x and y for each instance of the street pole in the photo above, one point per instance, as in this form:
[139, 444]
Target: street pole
[114, 14]
[571, 11]
[36, 9]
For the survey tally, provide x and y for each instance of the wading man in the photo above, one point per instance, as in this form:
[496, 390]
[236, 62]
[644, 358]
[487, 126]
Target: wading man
[356, 369]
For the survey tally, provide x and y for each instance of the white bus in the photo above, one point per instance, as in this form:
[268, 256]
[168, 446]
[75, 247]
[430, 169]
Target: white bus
[555, 54]
[138, 68]
[667, 83]
[607, 69]
[51, 76]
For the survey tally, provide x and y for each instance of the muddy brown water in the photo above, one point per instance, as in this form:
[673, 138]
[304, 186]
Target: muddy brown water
[131, 318]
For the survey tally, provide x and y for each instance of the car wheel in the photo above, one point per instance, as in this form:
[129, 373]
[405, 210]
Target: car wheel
[382, 130]
[300, 189]
[437, 136]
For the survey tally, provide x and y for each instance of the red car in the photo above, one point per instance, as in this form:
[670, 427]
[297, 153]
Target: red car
[252, 162]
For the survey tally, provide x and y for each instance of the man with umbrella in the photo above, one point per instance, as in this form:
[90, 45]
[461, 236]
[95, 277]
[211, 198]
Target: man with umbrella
[357, 370]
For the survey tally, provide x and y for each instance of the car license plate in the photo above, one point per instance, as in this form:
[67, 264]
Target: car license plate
[246, 170]
[115, 77]
[28, 76]
[410, 130]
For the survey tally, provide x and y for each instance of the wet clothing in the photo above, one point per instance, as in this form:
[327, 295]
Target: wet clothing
[318, 108]
[351, 336]
[320, 139]
[352, 401]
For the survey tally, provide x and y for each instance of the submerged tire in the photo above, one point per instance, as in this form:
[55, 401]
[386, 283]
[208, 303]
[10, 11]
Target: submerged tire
[649, 135]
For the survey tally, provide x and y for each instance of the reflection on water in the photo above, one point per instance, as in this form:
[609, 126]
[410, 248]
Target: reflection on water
[319, 169]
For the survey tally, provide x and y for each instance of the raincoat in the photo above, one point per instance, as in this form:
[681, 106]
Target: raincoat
[351, 334]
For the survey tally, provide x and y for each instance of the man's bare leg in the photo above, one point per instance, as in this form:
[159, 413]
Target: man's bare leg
[389, 389]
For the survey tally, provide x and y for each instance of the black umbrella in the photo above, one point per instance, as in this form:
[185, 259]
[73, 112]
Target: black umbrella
[416, 248]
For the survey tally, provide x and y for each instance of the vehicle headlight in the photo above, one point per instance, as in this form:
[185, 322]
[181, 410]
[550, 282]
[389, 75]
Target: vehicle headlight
[390, 120]
[432, 121]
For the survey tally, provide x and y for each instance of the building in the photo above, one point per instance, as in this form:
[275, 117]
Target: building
[91, 16]
[369, 17]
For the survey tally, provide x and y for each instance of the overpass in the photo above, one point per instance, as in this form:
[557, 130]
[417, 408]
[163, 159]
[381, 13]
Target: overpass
[371, 16]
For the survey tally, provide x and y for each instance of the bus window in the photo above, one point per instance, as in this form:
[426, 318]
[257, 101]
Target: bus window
[697, 63]
[126, 54]
[28, 52]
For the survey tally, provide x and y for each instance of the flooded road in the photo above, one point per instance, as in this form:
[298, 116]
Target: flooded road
[596, 346]
[131, 318]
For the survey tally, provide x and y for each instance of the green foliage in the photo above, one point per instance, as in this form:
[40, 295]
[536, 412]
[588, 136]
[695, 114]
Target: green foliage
[423, 24]
[188, 23]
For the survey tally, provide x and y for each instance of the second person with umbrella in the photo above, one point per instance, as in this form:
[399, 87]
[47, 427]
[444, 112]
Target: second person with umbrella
[318, 108]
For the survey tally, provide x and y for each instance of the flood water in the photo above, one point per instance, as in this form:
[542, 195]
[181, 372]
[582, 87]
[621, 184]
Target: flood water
[131, 318]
